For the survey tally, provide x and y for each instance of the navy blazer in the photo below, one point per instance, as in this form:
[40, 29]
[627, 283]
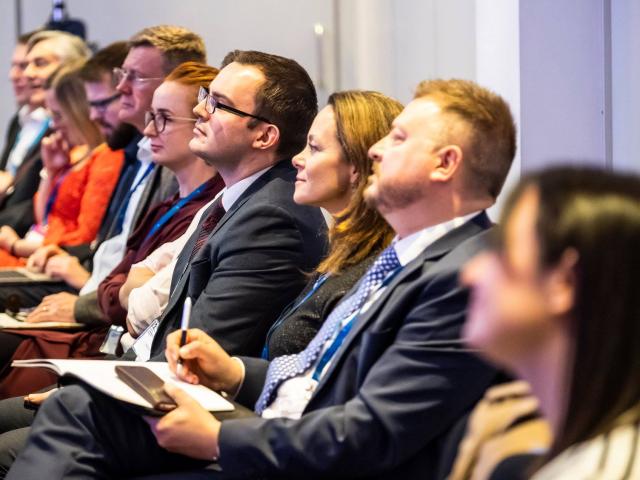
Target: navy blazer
[251, 267]
[397, 385]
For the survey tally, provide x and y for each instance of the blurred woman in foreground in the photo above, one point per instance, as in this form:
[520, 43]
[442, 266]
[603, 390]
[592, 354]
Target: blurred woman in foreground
[558, 304]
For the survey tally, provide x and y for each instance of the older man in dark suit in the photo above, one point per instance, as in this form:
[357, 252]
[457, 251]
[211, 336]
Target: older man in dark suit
[378, 389]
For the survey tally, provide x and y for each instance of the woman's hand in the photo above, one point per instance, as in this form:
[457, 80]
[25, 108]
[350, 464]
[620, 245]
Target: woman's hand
[55, 153]
[8, 237]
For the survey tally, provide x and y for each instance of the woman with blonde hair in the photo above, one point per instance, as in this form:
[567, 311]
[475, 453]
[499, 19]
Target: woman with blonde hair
[78, 177]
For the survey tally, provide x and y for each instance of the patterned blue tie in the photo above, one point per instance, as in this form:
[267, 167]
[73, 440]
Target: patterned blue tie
[289, 366]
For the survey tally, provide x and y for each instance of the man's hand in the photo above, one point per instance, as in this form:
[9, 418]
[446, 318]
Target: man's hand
[67, 268]
[6, 179]
[189, 429]
[204, 361]
[54, 308]
[39, 258]
[8, 237]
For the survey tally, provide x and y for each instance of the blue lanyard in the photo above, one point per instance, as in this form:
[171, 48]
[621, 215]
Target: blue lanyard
[288, 311]
[173, 210]
[36, 140]
[53, 196]
[43, 130]
[125, 202]
[344, 331]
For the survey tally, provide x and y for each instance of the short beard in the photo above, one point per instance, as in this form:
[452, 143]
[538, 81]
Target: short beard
[121, 136]
[389, 196]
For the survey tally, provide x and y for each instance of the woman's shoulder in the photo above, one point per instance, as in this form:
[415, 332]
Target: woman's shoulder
[607, 456]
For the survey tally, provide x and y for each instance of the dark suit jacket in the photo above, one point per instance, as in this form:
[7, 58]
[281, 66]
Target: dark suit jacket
[16, 205]
[12, 134]
[296, 327]
[394, 389]
[250, 268]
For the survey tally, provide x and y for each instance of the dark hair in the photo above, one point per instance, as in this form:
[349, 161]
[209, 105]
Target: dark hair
[362, 118]
[177, 44]
[492, 143]
[597, 214]
[287, 97]
[103, 62]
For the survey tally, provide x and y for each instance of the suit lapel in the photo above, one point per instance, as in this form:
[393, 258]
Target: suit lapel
[429, 256]
[279, 170]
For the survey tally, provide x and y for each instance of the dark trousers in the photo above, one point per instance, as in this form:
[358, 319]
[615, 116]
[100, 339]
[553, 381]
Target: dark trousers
[79, 433]
[15, 421]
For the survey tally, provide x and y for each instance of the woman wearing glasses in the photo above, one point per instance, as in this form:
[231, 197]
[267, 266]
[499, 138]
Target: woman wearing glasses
[558, 304]
[332, 173]
[169, 127]
[78, 177]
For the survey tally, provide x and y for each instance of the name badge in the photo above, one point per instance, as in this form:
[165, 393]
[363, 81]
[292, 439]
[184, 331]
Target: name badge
[142, 346]
[111, 341]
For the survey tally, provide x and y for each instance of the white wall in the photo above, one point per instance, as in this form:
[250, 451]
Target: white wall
[625, 72]
[498, 67]
[548, 58]
[563, 72]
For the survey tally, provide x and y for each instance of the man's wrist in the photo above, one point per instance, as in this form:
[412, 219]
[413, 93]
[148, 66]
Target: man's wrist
[235, 389]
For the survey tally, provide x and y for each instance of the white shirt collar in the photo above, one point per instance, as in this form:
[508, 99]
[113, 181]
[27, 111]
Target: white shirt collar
[144, 151]
[23, 114]
[231, 194]
[410, 247]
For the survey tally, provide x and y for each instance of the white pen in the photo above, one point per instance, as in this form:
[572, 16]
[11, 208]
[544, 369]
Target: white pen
[184, 326]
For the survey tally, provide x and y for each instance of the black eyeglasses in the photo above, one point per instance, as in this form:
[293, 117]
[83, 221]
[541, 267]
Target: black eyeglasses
[211, 103]
[160, 120]
[103, 103]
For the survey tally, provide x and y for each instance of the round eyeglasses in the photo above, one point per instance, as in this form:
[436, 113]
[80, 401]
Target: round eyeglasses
[211, 103]
[160, 120]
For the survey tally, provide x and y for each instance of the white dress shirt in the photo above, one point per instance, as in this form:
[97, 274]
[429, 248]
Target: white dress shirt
[33, 125]
[156, 296]
[294, 394]
[148, 301]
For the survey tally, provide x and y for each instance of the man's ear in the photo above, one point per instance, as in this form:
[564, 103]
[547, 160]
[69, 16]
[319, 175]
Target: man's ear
[449, 160]
[266, 137]
[561, 284]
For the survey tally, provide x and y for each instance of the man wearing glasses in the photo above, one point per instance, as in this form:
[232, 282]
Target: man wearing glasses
[46, 52]
[153, 53]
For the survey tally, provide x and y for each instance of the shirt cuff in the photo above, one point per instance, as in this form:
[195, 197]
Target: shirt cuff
[233, 395]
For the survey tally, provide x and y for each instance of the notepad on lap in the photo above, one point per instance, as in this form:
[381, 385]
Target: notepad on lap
[20, 275]
[7, 321]
[101, 375]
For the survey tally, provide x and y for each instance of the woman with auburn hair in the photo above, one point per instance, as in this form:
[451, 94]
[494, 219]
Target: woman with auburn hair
[169, 128]
[558, 304]
[78, 177]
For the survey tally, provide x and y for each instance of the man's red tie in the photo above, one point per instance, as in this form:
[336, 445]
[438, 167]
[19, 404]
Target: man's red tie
[216, 213]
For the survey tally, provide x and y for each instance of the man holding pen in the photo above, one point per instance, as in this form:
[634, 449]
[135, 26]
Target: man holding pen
[377, 391]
